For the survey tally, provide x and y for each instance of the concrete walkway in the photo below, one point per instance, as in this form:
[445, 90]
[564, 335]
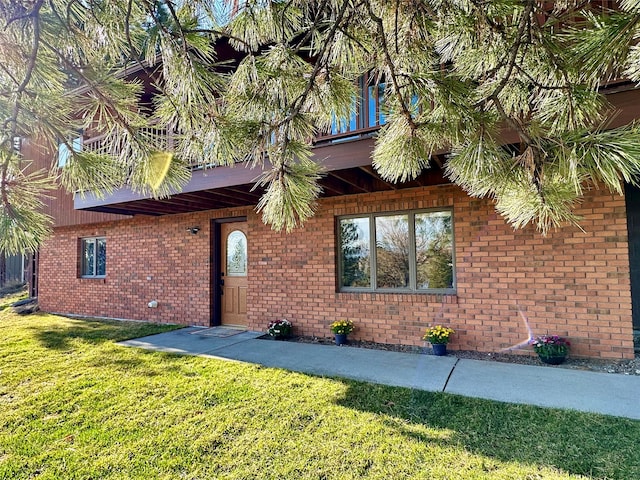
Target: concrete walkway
[605, 393]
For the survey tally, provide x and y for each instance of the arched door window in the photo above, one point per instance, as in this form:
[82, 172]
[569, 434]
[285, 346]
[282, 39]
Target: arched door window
[236, 254]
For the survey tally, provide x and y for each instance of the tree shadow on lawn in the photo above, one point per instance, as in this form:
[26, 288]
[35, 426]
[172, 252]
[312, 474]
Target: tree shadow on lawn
[594, 445]
[60, 336]
[64, 337]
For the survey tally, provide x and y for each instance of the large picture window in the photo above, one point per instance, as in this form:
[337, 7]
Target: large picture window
[94, 257]
[403, 251]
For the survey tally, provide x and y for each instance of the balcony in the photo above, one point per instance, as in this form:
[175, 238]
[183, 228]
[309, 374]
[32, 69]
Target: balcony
[347, 168]
[346, 163]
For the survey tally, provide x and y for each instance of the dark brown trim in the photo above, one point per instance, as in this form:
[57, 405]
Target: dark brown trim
[34, 261]
[331, 157]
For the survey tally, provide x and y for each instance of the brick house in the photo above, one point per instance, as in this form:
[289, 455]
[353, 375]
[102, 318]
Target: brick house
[205, 257]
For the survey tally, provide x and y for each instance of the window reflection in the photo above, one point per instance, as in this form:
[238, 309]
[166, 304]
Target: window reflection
[89, 257]
[101, 257]
[94, 257]
[354, 245]
[434, 250]
[408, 251]
[392, 251]
[367, 110]
[376, 102]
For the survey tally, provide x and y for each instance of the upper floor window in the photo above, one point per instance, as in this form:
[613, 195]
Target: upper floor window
[367, 110]
[94, 257]
[406, 251]
[64, 154]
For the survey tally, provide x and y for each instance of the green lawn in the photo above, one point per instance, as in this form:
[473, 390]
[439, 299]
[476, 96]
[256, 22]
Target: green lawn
[75, 405]
[10, 295]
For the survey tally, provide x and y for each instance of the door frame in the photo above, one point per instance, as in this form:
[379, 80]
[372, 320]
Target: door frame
[215, 251]
[632, 205]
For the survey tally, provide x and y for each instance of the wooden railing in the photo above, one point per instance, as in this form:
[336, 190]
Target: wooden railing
[160, 136]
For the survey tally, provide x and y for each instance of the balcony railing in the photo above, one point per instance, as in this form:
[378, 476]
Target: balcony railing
[159, 135]
[367, 116]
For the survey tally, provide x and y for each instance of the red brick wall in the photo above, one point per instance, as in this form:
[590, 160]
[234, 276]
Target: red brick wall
[148, 258]
[571, 283]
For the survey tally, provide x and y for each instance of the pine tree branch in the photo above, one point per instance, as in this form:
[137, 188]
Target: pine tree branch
[307, 36]
[92, 86]
[284, 10]
[297, 104]
[391, 66]
[513, 123]
[185, 49]
[31, 63]
[539, 85]
[481, 9]
[513, 52]
[12, 77]
[346, 32]
[13, 120]
[219, 33]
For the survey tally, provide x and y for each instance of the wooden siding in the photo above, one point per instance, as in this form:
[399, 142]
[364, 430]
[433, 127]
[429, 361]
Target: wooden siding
[11, 269]
[59, 203]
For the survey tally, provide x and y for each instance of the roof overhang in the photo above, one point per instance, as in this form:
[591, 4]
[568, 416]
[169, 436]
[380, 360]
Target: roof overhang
[347, 168]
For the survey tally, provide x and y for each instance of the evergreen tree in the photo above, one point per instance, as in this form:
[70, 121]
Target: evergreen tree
[509, 89]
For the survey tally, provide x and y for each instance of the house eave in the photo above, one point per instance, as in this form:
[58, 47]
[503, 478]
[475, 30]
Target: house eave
[347, 170]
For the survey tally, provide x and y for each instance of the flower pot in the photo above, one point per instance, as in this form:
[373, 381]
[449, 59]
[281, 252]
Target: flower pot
[553, 360]
[341, 338]
[439, 349]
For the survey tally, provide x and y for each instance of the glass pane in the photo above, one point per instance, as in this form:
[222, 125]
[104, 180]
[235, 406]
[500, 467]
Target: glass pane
[236, 254]
[63, 155]
[354, 249]
[101, 258]
[344, 125]
[353, 118]
[89, 255]
[434, 250]
[376, 100]
[392, 251]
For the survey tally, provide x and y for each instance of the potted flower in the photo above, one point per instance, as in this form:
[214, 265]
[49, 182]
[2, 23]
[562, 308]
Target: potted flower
[279, 329]
[342, 328]
[438, 336]
[551, 349]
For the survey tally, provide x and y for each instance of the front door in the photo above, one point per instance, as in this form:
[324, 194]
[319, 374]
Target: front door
[233, 262]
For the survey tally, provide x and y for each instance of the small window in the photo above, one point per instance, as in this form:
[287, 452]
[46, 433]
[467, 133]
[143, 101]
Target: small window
[375, 97]
[63, 150]
[94, 257]
[404, 251]
[367, 109]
